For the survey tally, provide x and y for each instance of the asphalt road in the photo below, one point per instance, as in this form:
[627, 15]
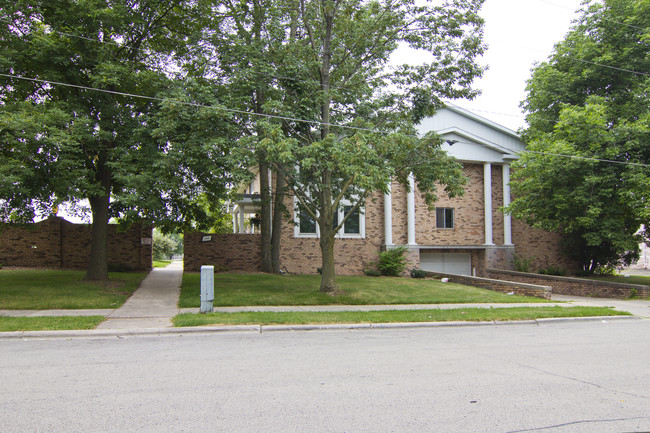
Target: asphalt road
[563, 377]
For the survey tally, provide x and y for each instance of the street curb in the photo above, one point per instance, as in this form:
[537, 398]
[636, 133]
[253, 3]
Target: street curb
[260, 329]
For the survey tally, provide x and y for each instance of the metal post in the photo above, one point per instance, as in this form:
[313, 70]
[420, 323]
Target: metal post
[207, 288]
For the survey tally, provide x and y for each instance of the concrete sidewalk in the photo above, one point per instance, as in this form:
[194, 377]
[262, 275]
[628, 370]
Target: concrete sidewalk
[636, 307]
[640, 308]
[384, 307]
[154, 303]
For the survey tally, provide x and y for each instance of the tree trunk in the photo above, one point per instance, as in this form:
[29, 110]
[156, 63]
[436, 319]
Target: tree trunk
[328, 282]
[265, 215]
[328, 273]
[276, 234]
[98, 260]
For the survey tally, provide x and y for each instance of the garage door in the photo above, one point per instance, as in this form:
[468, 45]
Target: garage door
[448, 263]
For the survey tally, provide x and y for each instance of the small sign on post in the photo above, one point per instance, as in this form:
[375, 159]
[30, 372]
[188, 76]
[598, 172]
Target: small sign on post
[207, 288]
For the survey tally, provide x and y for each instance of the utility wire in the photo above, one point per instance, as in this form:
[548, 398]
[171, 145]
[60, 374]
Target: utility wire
[194, 104]
[270, 116]
[586, 158]
[113, 43]
[638, 164]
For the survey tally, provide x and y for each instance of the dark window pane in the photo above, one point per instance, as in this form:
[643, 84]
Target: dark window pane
[444, 218]
[449, 219]
[307, 224]
[440, 218]
[352, 225]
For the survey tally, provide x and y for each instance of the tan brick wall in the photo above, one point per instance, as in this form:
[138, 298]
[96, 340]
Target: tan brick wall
[351, 255]
[544, 247]
[574, 286]
[502, 286]
[500, 257]
[226, 252]
[469, 224]
[497, 204]
[302, 255]
[399, 214]
[56, 243]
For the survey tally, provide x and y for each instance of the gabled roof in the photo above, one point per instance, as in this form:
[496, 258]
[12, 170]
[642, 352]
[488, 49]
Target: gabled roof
[472, 138]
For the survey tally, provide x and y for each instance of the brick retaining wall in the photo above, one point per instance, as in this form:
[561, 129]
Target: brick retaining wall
[57, 243]
[574, 286]
[226, 252]
[519, 288]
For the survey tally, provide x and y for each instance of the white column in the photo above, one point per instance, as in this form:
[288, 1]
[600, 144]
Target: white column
[487, 198]
[242, 226]
[410, 205]
[234, 221]
[507, 220]
[388, 216]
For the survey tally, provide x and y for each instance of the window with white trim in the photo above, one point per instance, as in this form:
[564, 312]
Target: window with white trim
[444, 218]
[306, 225]
[354, 226]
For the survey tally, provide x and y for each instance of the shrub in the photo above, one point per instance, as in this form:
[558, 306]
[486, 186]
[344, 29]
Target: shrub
[418, 273]
[392, 262]
[372, 272]
[605, 271]
[522, 264]
[552, 270]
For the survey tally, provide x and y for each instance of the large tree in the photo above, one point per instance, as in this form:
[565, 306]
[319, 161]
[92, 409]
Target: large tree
[344, 122]
[585, 173]
[72, 130]
[249, 53]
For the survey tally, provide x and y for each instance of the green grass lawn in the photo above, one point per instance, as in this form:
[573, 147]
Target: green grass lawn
[54, 289]
[161, 263]
[267, 289]
[459, 314]
[632, 279]
[60, 323]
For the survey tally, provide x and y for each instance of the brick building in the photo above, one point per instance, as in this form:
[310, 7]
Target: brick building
[464, 235]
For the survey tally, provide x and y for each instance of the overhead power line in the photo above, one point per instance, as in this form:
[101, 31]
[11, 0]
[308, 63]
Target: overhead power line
[194, 104]
[638, 164]
[270, 116]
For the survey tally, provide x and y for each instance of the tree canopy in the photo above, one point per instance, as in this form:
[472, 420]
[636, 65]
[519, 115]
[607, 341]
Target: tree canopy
[588, 140]
[339, 117]
[309, 88]
[71, 128]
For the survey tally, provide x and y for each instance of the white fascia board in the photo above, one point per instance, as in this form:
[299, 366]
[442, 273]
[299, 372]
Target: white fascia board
[476, 139]
[482, 120]
[470, 148]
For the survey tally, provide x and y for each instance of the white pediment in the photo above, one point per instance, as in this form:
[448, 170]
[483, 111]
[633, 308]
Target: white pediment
[471, 138]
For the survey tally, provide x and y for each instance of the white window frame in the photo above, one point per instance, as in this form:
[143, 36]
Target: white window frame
[341, 234]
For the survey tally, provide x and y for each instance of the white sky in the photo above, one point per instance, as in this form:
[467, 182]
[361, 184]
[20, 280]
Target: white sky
[518, 33]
